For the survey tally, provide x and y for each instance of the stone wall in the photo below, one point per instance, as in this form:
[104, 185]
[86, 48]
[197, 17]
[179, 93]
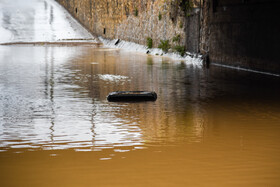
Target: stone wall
[242, 33]
[135, 20]
[192, 31]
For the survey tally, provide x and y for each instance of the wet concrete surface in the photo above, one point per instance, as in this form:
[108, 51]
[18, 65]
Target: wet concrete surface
[37, 21]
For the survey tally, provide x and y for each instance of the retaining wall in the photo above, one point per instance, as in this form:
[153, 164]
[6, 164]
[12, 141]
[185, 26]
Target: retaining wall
[242, 33]
[136, 20]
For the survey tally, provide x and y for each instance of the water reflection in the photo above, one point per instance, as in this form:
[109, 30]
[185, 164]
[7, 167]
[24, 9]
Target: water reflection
[55, 98]
[208, 126]
[204, 122]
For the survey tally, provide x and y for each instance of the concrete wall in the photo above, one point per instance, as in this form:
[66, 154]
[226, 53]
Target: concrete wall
[135, 20]
[242, 33]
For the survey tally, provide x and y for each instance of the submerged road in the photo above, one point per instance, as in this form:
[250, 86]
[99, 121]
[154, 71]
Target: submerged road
[37, 21]
[208, 127]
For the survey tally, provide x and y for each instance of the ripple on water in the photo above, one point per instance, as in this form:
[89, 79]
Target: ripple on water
[55, 103]
[113, 78]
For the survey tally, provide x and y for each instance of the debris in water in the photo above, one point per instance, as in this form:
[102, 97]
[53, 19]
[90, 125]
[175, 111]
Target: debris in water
[132, 96]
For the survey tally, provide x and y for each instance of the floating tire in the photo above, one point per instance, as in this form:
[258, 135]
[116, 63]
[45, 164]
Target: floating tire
[132, 96]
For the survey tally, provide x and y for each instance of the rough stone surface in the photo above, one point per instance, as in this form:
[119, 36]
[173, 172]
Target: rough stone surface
[134, 21]
[192, 32]
[242, 33]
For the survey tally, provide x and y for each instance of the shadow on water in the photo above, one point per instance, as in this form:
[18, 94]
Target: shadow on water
[241, 85]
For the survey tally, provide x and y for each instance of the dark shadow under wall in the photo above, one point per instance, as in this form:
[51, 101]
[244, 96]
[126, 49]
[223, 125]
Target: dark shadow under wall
[192, 31]
[245, 33]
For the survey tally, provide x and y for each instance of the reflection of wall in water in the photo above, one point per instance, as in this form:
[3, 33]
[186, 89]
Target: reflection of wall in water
[178, 86]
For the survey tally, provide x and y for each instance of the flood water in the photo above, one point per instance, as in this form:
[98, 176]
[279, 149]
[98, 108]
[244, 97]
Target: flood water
[209, 127]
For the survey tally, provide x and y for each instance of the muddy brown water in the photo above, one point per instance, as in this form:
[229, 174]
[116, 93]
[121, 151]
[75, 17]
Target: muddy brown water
[208, 127]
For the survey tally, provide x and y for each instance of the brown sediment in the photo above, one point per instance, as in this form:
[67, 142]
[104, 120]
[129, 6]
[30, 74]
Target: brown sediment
[54, 43]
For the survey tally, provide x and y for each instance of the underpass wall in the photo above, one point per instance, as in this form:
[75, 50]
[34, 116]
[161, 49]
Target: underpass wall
[136, 20]
[239, 33]
[242, 33]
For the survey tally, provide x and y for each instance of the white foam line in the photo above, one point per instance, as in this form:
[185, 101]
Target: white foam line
[244, 69]
[133, 47]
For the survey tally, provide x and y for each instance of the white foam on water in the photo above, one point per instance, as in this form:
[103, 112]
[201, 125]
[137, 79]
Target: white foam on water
[112, 78]
[189, 59]
[103, 159]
